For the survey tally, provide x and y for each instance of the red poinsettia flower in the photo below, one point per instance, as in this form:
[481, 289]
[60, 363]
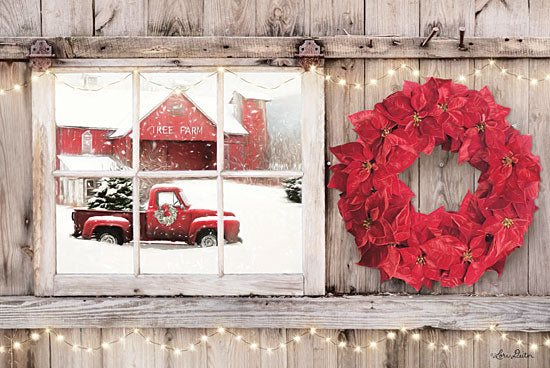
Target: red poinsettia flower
[514, 171]
[415, 108]
[390, 143]
[384, 257]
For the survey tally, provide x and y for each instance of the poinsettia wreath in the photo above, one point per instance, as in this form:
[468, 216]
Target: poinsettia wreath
[450, 247]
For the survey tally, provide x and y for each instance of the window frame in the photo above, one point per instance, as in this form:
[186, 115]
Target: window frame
[48, 283]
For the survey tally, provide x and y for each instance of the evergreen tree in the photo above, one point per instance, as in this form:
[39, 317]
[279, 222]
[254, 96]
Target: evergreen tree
[293, 189]
[112, 194]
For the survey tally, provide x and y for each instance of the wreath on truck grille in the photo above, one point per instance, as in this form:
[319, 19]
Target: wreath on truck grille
[450, 247]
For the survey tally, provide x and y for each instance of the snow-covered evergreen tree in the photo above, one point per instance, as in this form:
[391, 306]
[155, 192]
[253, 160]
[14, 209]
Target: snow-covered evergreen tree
[293, 189]
[112, 194]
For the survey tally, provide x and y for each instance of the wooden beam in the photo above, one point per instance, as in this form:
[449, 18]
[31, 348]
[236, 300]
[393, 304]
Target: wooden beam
[17, 48]
[352, 312]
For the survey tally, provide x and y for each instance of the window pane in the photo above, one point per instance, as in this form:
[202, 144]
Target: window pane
[270, 226]
[92, 217]
[263, 127]
[92, 110]
[179, 229]
[178, 126]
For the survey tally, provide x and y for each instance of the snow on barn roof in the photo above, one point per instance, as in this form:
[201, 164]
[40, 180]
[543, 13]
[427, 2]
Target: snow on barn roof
[89, 162]
[251, 94]
[112, 109]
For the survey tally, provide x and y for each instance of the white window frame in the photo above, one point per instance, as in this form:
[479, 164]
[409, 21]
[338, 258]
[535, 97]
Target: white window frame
[48, 283]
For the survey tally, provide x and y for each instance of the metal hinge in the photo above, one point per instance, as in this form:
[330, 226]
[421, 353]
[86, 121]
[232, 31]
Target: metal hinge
[309, 54]
[40, 56]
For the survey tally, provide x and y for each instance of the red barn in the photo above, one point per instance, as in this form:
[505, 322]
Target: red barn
[177, 133]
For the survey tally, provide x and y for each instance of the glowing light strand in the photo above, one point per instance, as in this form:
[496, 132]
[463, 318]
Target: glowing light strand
[367, 83]
[462, 342]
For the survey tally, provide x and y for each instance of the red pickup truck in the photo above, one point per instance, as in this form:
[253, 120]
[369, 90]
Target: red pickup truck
[169, 216]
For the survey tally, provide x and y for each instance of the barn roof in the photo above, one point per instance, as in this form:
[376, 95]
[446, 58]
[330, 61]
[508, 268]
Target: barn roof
[112, 109]
[90, 162]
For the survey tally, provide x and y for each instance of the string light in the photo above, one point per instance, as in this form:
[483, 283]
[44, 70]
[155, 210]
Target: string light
[177, 350]
[340, 81]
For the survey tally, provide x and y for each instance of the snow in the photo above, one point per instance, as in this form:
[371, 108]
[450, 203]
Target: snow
[109, 219]
[213, 218]
[271, 229]
[89, 162]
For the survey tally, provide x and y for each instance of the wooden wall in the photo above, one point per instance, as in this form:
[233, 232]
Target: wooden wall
[436, 179]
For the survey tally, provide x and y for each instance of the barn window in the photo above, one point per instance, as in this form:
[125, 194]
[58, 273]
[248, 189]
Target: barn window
[207, 181]
[87, 140]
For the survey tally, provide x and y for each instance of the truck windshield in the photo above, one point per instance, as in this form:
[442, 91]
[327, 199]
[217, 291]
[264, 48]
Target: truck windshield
[184, 199]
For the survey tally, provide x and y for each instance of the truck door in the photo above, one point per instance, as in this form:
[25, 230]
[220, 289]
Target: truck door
[168, 219]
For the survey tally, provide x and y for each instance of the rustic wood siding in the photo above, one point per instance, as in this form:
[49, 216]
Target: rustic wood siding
[436, 179]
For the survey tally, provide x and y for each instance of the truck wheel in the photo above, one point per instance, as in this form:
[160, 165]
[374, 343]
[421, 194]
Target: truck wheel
[111, 236]
[207, 238]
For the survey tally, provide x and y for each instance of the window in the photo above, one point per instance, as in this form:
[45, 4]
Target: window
[87, 142]
[187, 179]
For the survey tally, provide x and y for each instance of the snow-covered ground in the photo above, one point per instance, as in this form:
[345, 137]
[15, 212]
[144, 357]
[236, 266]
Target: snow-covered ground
[271, 229]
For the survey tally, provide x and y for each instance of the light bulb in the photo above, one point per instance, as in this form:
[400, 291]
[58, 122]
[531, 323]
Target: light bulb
[357, 349]
[534, 81]
[221, 330]
[431, 345]
[416, 73]
[342, 82]
[312, 330]
[373, 81]
[372, 344]
[342, 344]
[238, 337]
[391, 72]
[17, 345]
[282, 345]
[221, 69]
[416, 336]
[391, 335]
[491, 62]
[177, 351]
[35, 336]
[105, 345]
[60, 337]
[357, 86]
[477, 336]
[297, 338]
[17, 87]
[462, 342]
[163, 347]
[204, 338]
[534, 347]
[253, 346]
[519, 342]
[89, 350]
[446, 347]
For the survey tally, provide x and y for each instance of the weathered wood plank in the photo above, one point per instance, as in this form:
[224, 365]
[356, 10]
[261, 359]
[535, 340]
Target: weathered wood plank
[501, 18]
[539, 128]
[120, 18]
[67, 18]
[62, 354]
[175, 18]
[335, 47]
[20, 18]
[33, 354]
[341, 252]
[280, 18]
[361, 312]
[224, 18]
[514, 94]
[16, 250]
[329, 17]
[445, 182]
[397, 17]
[370, 281]
[448, 16]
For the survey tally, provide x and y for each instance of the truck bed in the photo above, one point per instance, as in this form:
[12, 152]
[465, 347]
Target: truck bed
[80, 215]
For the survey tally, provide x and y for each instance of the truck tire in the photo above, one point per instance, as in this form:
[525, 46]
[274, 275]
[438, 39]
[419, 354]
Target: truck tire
[207, 238]
[109, 235]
